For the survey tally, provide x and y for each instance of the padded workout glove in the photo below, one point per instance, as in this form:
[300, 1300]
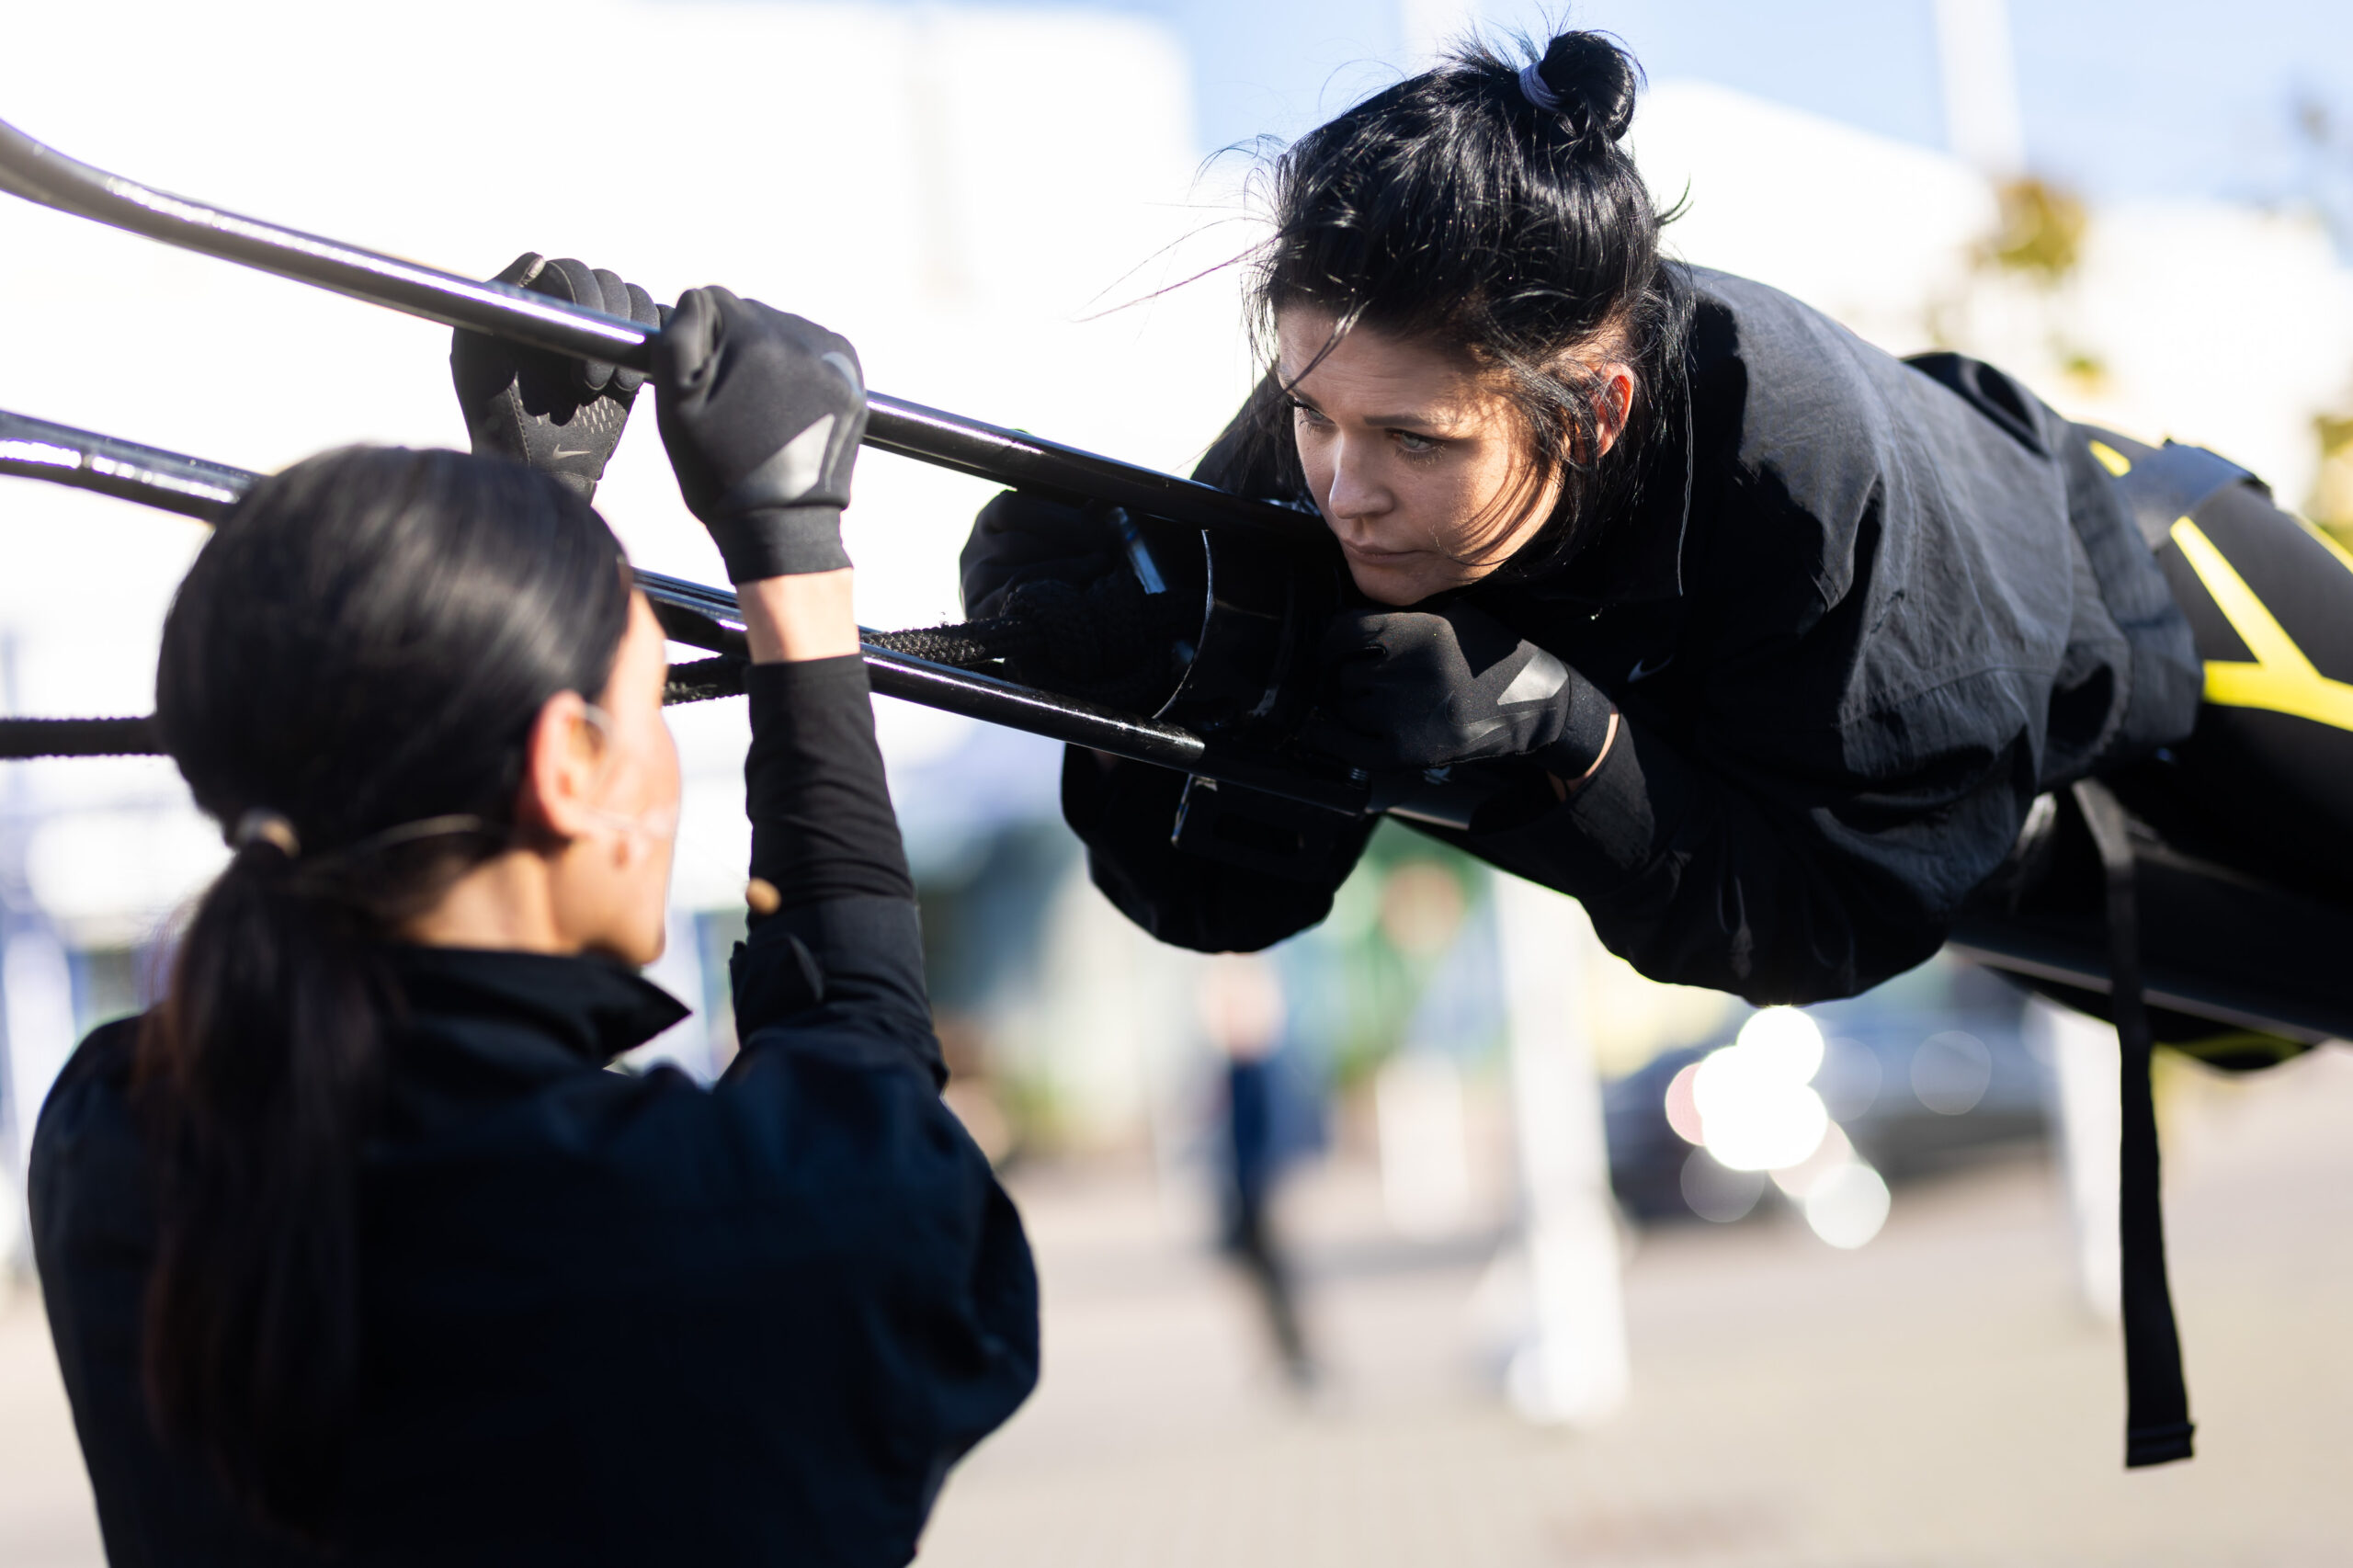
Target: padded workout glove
[762, 414]
[1018, 539]
[561, 415]
[1409, 689]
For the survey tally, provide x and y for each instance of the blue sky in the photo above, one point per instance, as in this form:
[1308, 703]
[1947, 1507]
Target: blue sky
[2150, 97]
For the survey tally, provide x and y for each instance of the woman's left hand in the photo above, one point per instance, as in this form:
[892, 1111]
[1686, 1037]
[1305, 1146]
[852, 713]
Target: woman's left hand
[1408, 689]
[561, 415]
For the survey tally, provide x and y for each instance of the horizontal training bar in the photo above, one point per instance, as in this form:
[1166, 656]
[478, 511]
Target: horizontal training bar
[692, 613]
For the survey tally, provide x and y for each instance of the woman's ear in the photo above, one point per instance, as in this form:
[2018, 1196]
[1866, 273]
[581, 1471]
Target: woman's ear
[561, 758]
[1613, 404]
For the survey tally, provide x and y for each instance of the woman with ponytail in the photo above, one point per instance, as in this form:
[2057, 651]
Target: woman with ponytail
[1775, 638]
[353, 1249]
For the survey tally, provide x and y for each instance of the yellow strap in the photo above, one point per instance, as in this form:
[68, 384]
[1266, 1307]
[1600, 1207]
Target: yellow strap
[2111, 459]
[2281, 680]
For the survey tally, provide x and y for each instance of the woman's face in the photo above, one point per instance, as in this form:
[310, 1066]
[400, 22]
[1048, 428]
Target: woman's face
[1419, 465]
[614, 879]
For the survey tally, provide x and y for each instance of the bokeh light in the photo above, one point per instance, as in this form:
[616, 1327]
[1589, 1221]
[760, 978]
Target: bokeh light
[1756, 1110]
[1847, 1207]
[1682, 1108]
[1830, 1158]
[1950, 1072]
[1716, 1193]
[1849, 1080]
[1783, 1040]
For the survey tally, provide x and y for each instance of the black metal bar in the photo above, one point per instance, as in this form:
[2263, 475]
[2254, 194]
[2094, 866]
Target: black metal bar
[40, 174]
[1024, 461]
[691, 613]
[710, 618]
[1026, 708]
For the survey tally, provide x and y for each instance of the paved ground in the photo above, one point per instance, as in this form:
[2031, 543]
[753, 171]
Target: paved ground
[1937, 1398]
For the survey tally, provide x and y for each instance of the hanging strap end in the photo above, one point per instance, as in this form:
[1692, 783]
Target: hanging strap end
[2147, 1446]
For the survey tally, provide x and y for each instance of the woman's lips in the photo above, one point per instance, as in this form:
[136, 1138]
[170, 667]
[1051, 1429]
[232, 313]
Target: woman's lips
[1373, 557]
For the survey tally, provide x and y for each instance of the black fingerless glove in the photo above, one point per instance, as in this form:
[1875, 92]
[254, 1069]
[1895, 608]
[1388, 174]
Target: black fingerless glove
[1428, 688]
[561, 415]
[1018, 540]
[762, 412]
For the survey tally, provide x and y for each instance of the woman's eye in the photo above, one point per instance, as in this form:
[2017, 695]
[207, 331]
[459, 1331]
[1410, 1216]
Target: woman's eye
[1311, 416]
[1409, 442]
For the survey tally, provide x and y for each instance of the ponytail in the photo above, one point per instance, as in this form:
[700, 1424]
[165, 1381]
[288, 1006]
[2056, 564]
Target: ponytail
[349, 675]
[258, 1073]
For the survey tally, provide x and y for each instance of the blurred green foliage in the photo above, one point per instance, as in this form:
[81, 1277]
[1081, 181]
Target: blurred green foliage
[2042, 232]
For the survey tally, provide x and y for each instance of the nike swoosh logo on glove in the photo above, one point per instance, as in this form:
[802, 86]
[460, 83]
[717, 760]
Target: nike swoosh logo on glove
[1643, 669]
[579, 453]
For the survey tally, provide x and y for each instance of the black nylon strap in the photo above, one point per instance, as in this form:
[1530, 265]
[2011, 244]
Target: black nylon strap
[2157, 1427]
[2172, 481]
[22, 738]
[700, 680]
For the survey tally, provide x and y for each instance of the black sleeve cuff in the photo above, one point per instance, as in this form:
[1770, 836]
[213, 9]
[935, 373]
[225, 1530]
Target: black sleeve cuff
[1585, 730]
[780, 542]
[1593, 843]
[851, 966]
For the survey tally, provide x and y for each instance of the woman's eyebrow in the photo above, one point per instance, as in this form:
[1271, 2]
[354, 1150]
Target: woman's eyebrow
[1377, 421]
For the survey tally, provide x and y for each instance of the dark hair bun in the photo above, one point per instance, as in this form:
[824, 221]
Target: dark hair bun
[1594, 81]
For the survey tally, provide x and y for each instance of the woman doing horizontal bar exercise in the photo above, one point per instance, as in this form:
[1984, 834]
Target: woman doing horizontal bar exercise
[352, 1248]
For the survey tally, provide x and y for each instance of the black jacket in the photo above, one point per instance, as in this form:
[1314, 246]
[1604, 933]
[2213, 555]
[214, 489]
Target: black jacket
[1862, 612]
[610, 1318]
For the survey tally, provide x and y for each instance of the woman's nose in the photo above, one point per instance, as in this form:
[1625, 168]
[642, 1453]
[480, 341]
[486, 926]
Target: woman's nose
[1357, 491]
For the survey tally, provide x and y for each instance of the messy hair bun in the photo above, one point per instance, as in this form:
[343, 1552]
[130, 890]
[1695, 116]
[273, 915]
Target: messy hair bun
[1487, 206]
[1591, 82]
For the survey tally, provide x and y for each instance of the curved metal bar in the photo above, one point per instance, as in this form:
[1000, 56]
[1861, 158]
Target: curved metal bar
[40, 174]
[35, 448]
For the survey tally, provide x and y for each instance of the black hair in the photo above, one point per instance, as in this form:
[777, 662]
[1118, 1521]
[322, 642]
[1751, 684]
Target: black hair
[1454, 207]
[362, 647]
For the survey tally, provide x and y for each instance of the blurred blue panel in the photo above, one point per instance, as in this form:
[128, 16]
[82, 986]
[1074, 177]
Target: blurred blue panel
[2166, 97]
[1871, 64]
[2149, 97]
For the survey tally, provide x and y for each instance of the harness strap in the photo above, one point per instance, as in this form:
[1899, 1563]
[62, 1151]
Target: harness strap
[2157, 1427]
[2172, 481]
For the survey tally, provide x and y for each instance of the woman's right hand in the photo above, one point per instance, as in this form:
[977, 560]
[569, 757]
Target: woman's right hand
[762, 412]
[1021, 539]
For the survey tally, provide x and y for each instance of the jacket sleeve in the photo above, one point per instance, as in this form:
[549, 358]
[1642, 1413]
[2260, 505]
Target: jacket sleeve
[901, 1324]
[843, 951]
[1125, 811]
[1777, 882]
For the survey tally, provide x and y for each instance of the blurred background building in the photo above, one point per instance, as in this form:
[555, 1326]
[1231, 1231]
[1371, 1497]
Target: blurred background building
[1022, 213]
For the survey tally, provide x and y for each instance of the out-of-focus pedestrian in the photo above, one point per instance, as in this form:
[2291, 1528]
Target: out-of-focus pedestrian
[1242, 1010]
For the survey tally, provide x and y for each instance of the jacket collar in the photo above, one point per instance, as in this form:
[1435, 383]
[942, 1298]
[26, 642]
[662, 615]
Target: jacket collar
[592, 1009]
